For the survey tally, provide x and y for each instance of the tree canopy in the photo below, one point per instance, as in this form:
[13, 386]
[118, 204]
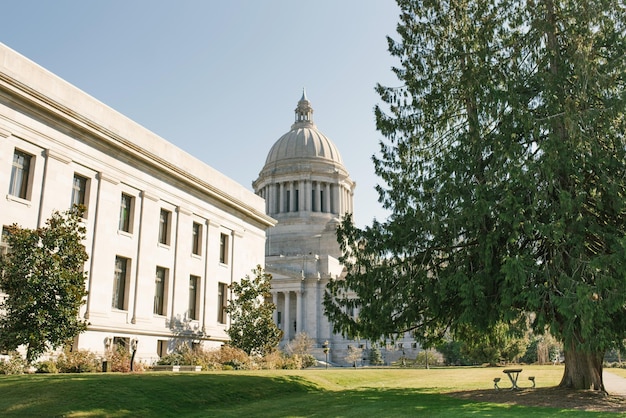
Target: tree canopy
[44, 280]
[503, 168]
[252, 327]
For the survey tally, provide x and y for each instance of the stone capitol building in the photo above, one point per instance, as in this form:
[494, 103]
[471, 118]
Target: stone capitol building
[308, 190]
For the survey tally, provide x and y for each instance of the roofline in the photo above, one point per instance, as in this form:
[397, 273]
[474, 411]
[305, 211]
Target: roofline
[80, 121]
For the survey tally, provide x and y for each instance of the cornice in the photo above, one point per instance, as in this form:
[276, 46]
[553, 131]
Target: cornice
[38, 100]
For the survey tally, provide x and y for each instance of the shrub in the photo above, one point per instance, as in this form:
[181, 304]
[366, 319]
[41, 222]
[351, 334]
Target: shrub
[79, 361]
[46, 366]
[15, 364]
[308, 361]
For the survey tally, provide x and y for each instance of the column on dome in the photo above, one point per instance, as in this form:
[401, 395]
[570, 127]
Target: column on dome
[301, 195]
[292, 197]
[270, 198]
[281, 198]
[318, 196]
[327, 200]
[307, 195]
[336, 204]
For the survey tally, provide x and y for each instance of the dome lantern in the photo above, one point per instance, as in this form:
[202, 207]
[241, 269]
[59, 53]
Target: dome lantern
[304, 113]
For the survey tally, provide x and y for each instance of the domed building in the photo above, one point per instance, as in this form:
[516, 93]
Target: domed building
[307, 189]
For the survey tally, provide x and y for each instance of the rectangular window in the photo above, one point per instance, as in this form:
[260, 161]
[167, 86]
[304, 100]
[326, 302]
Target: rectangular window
[20, 172]
[196, 236]
[288, 201]
[119, 283]
[126, 207]
[162, 348]
[121, 343]
[79, 190]
[164, 227]
[159, 290]
[222, 302]
[4, 241]
[296, 201]
[322, 202]
[313, 200]
[194, 281]
[223, 248]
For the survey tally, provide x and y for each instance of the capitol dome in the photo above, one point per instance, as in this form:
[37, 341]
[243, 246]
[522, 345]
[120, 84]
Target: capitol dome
[306, 188]
[303, 141]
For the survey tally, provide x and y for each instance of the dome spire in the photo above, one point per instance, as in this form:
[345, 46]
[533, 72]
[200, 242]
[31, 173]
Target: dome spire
[304, 113]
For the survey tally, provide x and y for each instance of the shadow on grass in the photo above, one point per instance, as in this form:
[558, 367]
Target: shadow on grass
[228, 395]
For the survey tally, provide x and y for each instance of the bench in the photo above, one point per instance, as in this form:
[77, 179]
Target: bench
[496, 380]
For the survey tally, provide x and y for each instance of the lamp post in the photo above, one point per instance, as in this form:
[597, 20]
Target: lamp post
[326, 346]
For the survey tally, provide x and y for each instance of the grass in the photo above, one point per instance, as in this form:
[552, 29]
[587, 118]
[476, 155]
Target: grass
[283, 393]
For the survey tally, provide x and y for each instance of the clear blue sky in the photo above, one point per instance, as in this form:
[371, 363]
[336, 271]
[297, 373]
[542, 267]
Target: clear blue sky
[221, 78]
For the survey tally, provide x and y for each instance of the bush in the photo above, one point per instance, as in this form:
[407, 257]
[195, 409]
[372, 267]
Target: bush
[15, 364]
[46, 366]
[308, 361]
[79, 361]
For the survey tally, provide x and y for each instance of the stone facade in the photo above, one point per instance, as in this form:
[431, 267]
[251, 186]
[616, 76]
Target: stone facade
[308, 190]
[166, 232]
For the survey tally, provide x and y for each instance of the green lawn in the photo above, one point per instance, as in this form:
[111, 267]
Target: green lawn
[346, 392]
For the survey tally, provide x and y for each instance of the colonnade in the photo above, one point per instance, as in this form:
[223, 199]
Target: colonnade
[306, 196]
[292, 322]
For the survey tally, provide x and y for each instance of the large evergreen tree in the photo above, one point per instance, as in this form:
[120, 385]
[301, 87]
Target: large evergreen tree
[44, 280]
[505, 174]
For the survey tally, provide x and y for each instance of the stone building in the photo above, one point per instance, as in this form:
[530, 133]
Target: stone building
[308, 190]
[167, 233]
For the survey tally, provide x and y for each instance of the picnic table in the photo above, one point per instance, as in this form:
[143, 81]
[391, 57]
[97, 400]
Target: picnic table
[513, 375]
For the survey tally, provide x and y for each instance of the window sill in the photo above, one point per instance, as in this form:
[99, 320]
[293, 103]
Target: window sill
[19, 200]
[124, 233]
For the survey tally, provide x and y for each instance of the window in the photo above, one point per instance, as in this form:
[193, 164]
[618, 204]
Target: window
[288, 201]
[20, 172]
[79, 190]
[159, 291]
[196, 236]
[121, 343]
[4, 242]
[223, 248]
[119, 283]
[296, 201]
[313, 200]
[126, 206]
[164, 227]
[193, 296]
[162, 348]
[222, 301]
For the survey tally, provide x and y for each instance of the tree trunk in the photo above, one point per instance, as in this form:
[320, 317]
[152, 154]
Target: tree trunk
[583, 369]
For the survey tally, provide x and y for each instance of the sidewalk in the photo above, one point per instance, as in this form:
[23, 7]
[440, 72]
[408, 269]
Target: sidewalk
[614, 384]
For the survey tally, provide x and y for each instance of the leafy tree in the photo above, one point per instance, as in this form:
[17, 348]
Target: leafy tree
[354, 354]
[253, 329]
[504, 171]
[301, 344]
[43, 278]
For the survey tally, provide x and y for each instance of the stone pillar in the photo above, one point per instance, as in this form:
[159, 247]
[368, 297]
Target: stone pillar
[298, 311]
[287, 320]
[292, 197]
[327, 208]
[281, 198]
[275, 313]
[301, 196]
